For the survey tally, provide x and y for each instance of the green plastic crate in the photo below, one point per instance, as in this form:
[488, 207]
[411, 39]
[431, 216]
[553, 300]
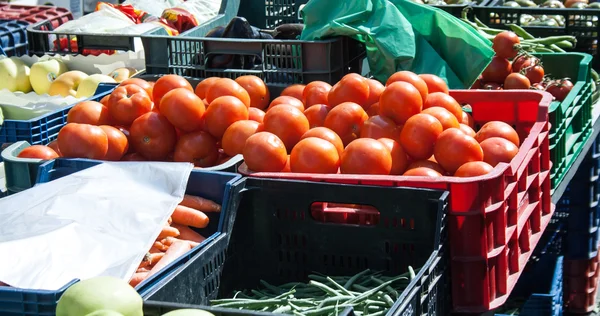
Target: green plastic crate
[571, 119]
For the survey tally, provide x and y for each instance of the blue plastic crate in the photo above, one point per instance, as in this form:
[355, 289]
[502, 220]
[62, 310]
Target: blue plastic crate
[13, 37]
[221, 187]
[44, 129]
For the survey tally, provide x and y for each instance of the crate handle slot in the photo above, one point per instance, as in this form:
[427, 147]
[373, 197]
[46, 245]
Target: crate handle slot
[342, 213]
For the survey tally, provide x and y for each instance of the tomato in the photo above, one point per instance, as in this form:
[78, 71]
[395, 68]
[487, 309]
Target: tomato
[473, 169]
[535, 74]
[288, 123]
[223, 112]
[506, 44]
[203, 86]
[455, 148]
[516, 81]
[236, 135]
[125, 132]
[497, 150]
[314, 155]
[38, 152]
[294, 91]
[54, 145]
[227, 87]
[422, 172]
[257, 90]
[419, 134]
[287, 167]
[199, 148]
[256, 114]
[133, 157]
[412, 78]
[467, 130]
[346, 120]
[497, 70]
[467, 119]
[104, 100]
[82, 141]
[118, 145]
[445, 101]
[328, 135]
[572, 3]
[366, 156]
[399, 157]
[426, 164]
[497, 129]
[265, 152]
[127, 103]
[167, 83]
[492, 86]
[315, 92]
[478, 84]
[399, 101]
[375, 91]
[373, 110]
[287, 100]
[379, 127]
[183, 109]
[316, 115]
[89, 112]
[435, 83]
[153, 136]
[524, 61]
[447, 119]
[147, 86]
[352, 88]
[560, 88]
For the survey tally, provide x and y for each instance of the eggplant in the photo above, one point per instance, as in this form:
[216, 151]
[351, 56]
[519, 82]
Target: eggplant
[216, 32]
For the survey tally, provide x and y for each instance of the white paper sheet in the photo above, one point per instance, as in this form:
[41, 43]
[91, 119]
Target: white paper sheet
[97, 222]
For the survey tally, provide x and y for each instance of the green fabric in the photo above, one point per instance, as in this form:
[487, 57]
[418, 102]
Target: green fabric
[403, 35]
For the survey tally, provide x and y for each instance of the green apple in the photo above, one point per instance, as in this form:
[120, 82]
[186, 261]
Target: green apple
[14, 75]
[88, 86]
[67, 84]
[44, 72]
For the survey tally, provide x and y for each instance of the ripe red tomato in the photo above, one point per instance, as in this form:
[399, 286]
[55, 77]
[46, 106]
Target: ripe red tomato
[535, 74]
[516, 81]
[167, 83]
[560, 88]
[89, 112]
[497, 70]
[126, 103]
[38, 152]
[314, 155]
[199, 148]
[524, 61]
[473, 169]
[152, 136]
[183, 109]
[118, 145]
[506, 45]
[82, 141]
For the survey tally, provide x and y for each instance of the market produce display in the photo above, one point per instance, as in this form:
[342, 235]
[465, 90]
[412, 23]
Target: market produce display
[368, 292]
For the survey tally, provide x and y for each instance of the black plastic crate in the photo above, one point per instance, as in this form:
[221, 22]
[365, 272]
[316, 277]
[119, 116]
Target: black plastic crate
[277, 237]
[584, 24]
[275, 61]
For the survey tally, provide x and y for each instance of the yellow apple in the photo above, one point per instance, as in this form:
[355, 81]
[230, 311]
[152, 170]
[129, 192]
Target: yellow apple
[44, 72]
[120, 74]
[88, 86]
[14, 75]
[67, 83]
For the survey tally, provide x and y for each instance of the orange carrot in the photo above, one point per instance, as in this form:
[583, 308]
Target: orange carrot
[188, 216]
[189, 234]
[168, 231]
[170, 220]
[160, 246]
[154, 249]
[170, 240]
[193, 243]
[151, 259]
[176, 250]
[138, 278]
[142, 270]
[201, 204]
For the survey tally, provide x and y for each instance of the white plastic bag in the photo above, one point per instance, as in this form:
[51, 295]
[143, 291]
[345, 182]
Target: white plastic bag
[26, 106]
[203, 10]
[97, 222]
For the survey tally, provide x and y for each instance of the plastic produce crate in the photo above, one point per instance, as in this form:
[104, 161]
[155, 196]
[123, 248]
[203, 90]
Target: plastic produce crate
[44, 129]
[219, 186]
[282, 61]
[54, 16]
[581, 285]
[581, 23]
[42, 37]
[571, 119]
[495, 220]
[276, 233]
[13, 37]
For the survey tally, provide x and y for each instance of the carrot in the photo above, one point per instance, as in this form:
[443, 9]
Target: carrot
[168, 231]
[160, 246]
[176, 250]
[189, 234]
[151, 259]
[154, 249]
[3, 284]
[142, 270]
[201, 204]
[193, 243]
[188, 216]
[170, 240]
[138, 278]
[170, 220]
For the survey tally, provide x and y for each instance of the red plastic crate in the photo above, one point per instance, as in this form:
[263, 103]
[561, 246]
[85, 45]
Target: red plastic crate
[581, 285]
[496, 219]
[35, 14]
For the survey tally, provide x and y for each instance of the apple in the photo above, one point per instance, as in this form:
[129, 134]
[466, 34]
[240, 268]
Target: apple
[67, 83]
[88, 86]
[44, 72]
[14, 75]
[122, 73]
